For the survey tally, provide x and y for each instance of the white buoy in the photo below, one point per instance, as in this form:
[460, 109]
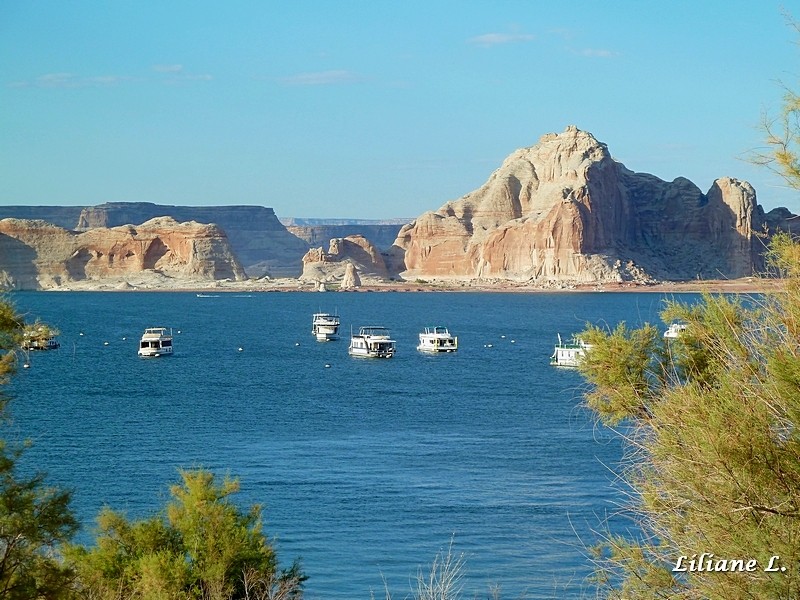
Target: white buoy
[105, 343]
[26, 366]
[241, 349]
[123, 339]
[327, 366]
[513, 341]
[488, 345]
[297, 343]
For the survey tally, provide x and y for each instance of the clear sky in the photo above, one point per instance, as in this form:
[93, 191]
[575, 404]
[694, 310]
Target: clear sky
[374, 109]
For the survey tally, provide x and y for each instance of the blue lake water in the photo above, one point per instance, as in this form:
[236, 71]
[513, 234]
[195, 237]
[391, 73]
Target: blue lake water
[365, 469]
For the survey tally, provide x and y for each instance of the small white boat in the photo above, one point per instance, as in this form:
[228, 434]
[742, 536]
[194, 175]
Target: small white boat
[674, 331]
[155, 342]
[437, 339]
[325, 327]
[372, 342]
[569, 354]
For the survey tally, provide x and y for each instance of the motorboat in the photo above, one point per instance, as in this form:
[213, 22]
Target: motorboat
[569, 354]
[372, 342]
[674, 331]
[437, 339]
[156, 342]
[325, 327]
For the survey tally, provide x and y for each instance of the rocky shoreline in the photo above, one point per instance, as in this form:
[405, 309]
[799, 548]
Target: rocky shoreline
[156, 282]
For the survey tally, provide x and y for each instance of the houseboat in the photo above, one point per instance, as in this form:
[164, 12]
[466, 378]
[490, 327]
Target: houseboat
[156, 342]
[569, 354]
[325, 327]
[372, 342]
[437, 339]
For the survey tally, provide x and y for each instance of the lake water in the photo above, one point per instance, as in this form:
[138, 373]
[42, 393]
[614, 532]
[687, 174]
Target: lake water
[366, 468]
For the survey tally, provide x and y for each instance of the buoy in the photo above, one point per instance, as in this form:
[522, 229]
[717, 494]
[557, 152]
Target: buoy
[240, 349]
[123, 339]
[81, 333]
[513, 341]
[327, 366]
[297, 343]
[105, 343]
[26, 366]
[488, 345]
[502, 337]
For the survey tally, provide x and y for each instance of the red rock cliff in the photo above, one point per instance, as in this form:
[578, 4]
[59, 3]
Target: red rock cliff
[565, 210]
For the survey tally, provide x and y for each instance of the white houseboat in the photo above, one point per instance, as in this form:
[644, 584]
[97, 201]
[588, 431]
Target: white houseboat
[372, 342]
[155, 342]
[569, 354]
[437, 339]
[674, 331]
[325, 327]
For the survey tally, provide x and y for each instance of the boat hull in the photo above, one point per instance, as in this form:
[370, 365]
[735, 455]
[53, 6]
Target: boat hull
[358, 352]
[155, 352]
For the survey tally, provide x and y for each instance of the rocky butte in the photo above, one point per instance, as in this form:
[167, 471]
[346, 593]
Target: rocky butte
[345, 257]
[565, 211]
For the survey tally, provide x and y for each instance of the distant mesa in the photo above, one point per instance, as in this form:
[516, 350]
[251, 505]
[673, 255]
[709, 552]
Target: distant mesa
[316, 232]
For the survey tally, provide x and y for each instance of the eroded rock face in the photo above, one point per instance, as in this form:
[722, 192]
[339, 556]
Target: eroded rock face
[38, 255]
[259, 240]
[565, 210]
[355, 250]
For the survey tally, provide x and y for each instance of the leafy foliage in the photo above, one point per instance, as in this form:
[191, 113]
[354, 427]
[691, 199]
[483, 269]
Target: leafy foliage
[201, 547]
[713, 429]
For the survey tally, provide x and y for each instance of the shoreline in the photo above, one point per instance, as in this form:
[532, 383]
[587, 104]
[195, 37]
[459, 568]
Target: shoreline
[747, 285]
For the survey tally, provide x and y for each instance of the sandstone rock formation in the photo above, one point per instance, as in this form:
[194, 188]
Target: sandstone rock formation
[565, 210]
[261, 243]
[38, 255]
[352, 252]
[350, 279]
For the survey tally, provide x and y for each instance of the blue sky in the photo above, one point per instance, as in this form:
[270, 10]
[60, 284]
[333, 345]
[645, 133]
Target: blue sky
[374, 109]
